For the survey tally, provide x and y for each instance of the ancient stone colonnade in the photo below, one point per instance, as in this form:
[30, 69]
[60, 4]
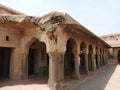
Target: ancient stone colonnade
[59, 47]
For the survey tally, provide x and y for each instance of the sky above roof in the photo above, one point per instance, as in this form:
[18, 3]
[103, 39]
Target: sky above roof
[99, 16]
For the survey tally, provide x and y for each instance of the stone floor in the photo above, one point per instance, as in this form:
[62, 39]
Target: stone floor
[107, 78]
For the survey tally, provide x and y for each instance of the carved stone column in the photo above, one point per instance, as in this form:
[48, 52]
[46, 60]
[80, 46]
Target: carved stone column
[24, 73]
[15, 64]
[102, 60]
[86, 63]
[93, 62]
[98, 60]
[77, 64]
[56, 70]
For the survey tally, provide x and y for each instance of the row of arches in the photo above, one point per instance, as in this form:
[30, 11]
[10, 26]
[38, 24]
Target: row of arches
[36, 62]
[38, 59]
[70, 54]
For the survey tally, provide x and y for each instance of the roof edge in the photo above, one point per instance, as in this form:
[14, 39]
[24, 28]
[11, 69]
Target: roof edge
[11, 9]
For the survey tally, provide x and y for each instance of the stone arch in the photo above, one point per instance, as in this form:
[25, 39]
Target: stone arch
[29, 41]
[35, 59]
[69, 57]
[82, 46]
[82, 57]
[90, 49]
[119, 56]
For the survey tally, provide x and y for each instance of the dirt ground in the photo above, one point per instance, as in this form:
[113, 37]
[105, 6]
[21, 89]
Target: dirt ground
[30, 84]
[107, 78]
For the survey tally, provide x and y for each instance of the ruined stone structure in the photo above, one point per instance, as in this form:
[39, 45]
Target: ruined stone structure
[53, 46]
[114, 41]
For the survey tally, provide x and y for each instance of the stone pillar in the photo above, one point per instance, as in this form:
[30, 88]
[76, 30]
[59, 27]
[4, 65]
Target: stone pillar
[115, 56]
[102, 59]
[98, 58]
[56, 70]
[15, 64]
[106, 56]
[93, 62]
[86, 63]
[61, 68]
[24, 73]
[105, 59]
[77, 64]
[115, 59]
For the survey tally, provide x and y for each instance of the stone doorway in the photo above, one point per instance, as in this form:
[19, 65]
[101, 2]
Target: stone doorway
[119, 56]
[5, 55]
[69, 64]
[31, 61]
[38, 63]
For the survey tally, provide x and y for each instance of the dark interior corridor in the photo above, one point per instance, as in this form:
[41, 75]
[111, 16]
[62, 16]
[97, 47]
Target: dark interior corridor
[31, 61]
[4, 62]
[119, 56]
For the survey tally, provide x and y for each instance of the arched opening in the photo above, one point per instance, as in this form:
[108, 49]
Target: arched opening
[82, 58]
[69, 65]
[90, 67]
[38, 61]
[5, 58]
[96, 57]
[119, 56]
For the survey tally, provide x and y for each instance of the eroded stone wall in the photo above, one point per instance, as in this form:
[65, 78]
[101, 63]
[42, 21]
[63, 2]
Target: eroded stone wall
[10, 37]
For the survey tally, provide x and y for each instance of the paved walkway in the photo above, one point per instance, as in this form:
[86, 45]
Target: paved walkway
[108, 78]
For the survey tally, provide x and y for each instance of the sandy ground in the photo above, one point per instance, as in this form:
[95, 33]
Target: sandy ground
[108, 78]
[31, 84]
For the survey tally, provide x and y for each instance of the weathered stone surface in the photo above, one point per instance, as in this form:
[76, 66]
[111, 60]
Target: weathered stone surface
[55, 41]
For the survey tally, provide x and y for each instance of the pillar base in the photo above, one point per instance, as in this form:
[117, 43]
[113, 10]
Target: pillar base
[87, 72]
[24, 76]
[76, 77]
[56, 85]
